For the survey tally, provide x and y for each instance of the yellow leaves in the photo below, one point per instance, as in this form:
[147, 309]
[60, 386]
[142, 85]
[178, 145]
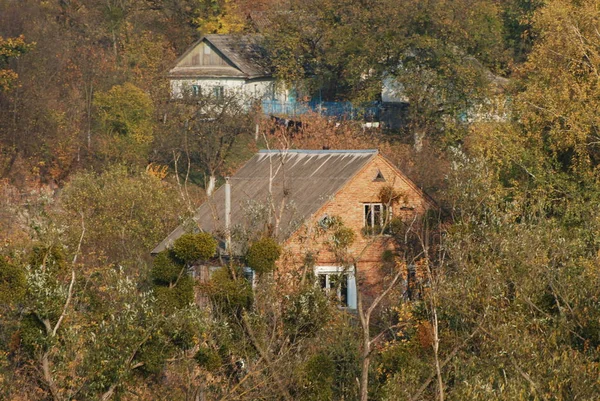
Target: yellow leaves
[562, 78]
[11, 48]
[148, 55]
[157, 170]
[7, 77]
[125, 115]
[227, 19]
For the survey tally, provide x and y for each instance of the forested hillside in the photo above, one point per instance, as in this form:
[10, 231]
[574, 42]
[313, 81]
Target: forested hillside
[98, 165]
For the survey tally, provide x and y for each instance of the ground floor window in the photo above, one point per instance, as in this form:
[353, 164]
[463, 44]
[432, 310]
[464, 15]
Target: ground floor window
[338, 281]
[218, 92]
[250, 276]
[196, 90]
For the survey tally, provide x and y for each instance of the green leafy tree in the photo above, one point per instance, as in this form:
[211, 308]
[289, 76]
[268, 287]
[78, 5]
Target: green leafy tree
[209, 134]
[125, 117]
[125, 214]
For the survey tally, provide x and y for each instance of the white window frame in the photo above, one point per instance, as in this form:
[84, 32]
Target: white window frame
[196, 90]
[250, 275]
[219, 92]
[328, 271]
[385, 211]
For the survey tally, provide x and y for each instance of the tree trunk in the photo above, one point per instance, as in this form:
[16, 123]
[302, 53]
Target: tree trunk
[366, 362]
[212, 180]
[436, 352]
[364, 317]
[418, 137]
[47, 371]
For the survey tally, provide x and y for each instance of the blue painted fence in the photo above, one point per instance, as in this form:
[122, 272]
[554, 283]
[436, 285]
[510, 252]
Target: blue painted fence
[343, 110]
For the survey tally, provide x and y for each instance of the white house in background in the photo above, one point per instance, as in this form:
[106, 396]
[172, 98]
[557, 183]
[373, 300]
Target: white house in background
[392, 91]
[225, 64]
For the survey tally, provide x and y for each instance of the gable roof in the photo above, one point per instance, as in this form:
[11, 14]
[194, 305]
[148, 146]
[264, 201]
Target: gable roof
[306, 178]
[244, 52]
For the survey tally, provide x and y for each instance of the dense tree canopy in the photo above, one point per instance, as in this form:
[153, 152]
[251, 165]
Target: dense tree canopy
[495, 298]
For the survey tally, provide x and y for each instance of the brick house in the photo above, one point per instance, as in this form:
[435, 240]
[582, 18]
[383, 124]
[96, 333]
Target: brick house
[303, 191]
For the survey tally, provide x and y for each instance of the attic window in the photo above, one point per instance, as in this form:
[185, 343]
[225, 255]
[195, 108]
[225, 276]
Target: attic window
[379, 177]
[206, 49]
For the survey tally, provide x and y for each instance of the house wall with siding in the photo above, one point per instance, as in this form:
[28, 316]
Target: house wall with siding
[246, 90]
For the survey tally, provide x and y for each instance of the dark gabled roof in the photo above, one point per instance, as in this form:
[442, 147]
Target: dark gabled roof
[244, 52]
[308, 178]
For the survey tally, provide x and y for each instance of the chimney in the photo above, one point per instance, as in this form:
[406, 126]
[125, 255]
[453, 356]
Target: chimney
[227, 214]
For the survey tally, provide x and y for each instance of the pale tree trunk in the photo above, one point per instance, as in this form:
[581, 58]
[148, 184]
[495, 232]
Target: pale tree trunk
[436, 353]
[210, 187]
[366, 351]
[367, 341]
[434, 315]
[418, 137]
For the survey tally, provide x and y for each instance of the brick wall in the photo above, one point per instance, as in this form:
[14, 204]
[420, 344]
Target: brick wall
[348, 204]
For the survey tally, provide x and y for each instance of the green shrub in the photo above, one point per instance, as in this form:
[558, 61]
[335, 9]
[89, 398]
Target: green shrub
[318, 378]
[208, 358]
[192, 247]
[183, 336]
[176, 297]
[165, 269]
[32, 334]
[231, 295]
[263, 254]
[12, 282]
[52, 258]
[306, 312]
[343, 237]
[153, 356]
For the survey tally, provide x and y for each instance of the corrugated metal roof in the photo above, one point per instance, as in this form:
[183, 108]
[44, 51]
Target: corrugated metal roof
[307, 179]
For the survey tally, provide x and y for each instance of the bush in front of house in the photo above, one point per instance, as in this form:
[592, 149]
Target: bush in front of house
[172, 285]
[263, 254]
[165, 269]
[178, 295]
[229, 294]
[305, 312]
[192, 247]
